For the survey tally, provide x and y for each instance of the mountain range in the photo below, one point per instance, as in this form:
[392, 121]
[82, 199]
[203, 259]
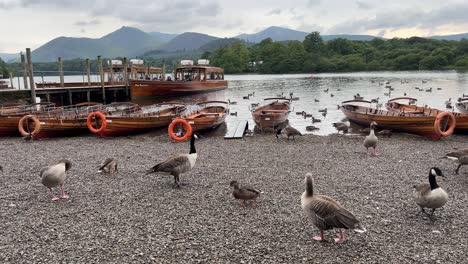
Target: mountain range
[131, 42]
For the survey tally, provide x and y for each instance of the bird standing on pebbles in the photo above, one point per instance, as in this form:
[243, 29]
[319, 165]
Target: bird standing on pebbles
[244, 193]
[288, 132]
[342, 126]
[54, 176]
[108, 166]
[371, 140]
[461, 156]
[176, 165]
[1, 168]
[326, 213]
[430, 195]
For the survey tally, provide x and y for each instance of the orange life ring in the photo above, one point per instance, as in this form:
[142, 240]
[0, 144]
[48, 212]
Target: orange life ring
[187, 126]
[37, 125]
[89, 122]
[451, 127]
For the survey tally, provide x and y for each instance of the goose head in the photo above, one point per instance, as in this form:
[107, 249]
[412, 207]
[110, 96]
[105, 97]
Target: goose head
[193, 137]
[373, 124]
[278, 132]
[67, 163]
[309, 184]
[234, 184]
[433, 173]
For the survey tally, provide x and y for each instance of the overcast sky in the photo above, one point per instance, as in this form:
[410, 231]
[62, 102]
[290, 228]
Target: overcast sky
[32, 23]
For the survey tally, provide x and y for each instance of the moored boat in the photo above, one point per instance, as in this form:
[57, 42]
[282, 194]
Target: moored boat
[10, 115]
[211, 115]
[425, 125]
[273, 114]
[462, 105]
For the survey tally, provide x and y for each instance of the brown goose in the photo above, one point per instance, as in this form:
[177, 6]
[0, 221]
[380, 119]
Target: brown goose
[326, 213]
[108, 166]
[430, 195]
[54, 176]
[371, 140]
[342, 126]
[461, 156]
[244, 193]
[288, 132]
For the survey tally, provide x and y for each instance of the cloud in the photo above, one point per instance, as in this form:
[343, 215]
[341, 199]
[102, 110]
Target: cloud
[276, 11]
[313, 3]
[83, 23]
[364, 5]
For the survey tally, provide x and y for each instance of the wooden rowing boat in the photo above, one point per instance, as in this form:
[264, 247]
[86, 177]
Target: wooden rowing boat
[394, 105]
[423, 125]
[211, 115]
[10, 114]
[462, 105]
[273, 114]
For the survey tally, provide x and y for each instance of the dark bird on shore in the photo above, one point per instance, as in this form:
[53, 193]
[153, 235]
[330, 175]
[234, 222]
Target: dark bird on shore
[312, 128]
[371, 140]
[306, 114]
[326, 213]
[404, 94]
[429, 90]
[280, 95]
[430, 195]
[460, 156]
[1, 168]
[233, 113]
[231, 102]
[244, 193]
[54, 176]
[251, 94]
[385, 133]
[288, 131]
[109, 165]
[423, 81]
[178, 164]
[344, 126]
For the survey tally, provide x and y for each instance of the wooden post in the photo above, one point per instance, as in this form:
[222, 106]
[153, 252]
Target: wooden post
[70, 96]
[25, 71]
[19, 83]
[111, 73]
[88, 96]
[48, 97]
[88, 71]
[11, 79]
[31, 76]
[60, 65]
[125, 67]
[101, 74]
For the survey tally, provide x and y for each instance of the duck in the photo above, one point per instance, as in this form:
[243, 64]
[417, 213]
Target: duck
[280, 95]
[323, 110]
[288, 131]
[371, 140]
[178, 164]
[246, 97]
[429, 90]
[326, 213]
[231, 102]
[331, 95]
[244, 194]
[251, 94]
[438, 88]
[254, 104]
[311, 128]
[324, 114]
[375, 100]
[109, 165]
[316, 100]
[315, 120]
[233, 113]
[300, 113]
[54, 175]
[306, 115]
[338, 107]
[461, 156]
[385, 132]
[326, 90]
[344, 126]
[430, 195]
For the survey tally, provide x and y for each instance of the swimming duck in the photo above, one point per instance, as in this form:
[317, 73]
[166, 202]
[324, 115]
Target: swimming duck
[342, 126]
[326, 213]
[430, 195]
[246, 97]
[371, 140]
[108, 166]
[315, 120]
[254, 104]
[288, 132]
[231, 102]
[311, 128]
[323, 110]
[54, 176]
[316, 100]
[233, 113]
[461, 156]
[244, 193]
[177, 165]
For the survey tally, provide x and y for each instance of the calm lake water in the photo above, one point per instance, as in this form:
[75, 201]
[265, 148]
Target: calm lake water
[342, 85]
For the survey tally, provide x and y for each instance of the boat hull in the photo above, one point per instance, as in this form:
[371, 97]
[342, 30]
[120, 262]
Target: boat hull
[9, 126]
[146, 89]
[271, 115]
[61, 127]
[123, 126]
[207, 118]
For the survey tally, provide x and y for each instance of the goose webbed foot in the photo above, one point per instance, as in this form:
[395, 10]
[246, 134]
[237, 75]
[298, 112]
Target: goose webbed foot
[63, 195]
[241, 202]
[54, 197]
[321, 237]
[254, 203]
[375, 153]
[341, 238]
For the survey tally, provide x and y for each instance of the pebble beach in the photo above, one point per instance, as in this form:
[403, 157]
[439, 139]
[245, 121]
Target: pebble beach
[131, 217]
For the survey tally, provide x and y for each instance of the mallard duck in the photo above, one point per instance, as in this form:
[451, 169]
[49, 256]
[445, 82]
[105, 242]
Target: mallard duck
[371, 140]
[430, 195]
[342, 126]
[244, 193]
[177, 165]
[54, 176]
[108, 166]
[288, 132]
[326, 213]
[461, 156]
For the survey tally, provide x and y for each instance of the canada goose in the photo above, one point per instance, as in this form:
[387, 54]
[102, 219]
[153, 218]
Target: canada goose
[231, 102]
[326, 90]
[429, 90]
[246, 97]
[54, 176]
[311, 128]
[385, 132]
[423, 81]
[331, 95]
[375, 100]
[323, 110]
[316, 100]
[326, 213]
[315, 120]
[178, 164]
[338, 107]
[294, 98]
[300, 113]
[342, 126]
[108, 166]
[371, 140]
[404, 94]
[438, 88]
[251, 94]
[306, 115]
[288, 132]
[233, 113]
[324, 114]
[244, 193]
[430, 195]
[461, 156]
[280, 95]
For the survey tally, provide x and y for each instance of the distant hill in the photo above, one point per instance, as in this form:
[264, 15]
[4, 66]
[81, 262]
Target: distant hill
[451, 37]
[350, 37]
[218, 43]
[163, 37]
[187, 41]
[6, 57]
[125, 41]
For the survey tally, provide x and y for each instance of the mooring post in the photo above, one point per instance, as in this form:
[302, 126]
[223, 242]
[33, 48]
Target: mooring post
[111, 73]
[88, 71]
[60, 68]
[101, 74]
[48, 97]
[11, 79]
[25, 71]
[31, 75]
[70, 96]
[88, 96]
[125, 67]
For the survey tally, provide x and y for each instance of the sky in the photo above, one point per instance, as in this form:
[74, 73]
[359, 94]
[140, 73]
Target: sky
[32, 23]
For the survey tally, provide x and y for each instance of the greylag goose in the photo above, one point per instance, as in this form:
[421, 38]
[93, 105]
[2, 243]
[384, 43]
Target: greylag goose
[108, 166]
[54, 176]
[244, 193]
[430, 195]
[461, 156]
[371, 140]
[342, 126]
[288, 132]
[178, 164]
[326, 213]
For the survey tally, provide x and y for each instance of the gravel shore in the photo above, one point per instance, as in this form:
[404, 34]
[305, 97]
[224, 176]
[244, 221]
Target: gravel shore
[131, 217]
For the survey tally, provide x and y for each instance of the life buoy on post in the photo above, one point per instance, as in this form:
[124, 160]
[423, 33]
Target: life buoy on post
[451, 124]
[186, 125]
[37, 125]
[95, 115]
